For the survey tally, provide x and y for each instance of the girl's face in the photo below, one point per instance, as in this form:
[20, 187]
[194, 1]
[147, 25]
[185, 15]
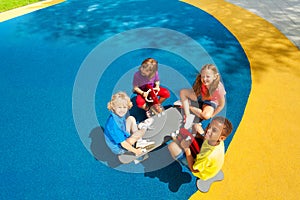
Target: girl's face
[121, 108]
[213, 133]
[208, 76]
[146, 71]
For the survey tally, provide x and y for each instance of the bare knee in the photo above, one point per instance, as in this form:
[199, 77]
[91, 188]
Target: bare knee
[207, 112]
[131, 120]
[174, 149]
[131, 124]
[187, 94]
[206, 116]
[183, 94]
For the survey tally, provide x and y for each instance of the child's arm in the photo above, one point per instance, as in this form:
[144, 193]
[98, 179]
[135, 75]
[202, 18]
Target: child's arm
[190, 159]
[126, 145]
[198, 131]
[157, 88]
[185, 145]
[220, 106]
[140, 92]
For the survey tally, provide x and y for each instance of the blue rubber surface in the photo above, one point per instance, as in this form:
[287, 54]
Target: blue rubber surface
[42, 156]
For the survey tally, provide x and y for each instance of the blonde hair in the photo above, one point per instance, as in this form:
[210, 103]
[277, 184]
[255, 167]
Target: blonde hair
[151, 64]
[198, 83]
[119, 99]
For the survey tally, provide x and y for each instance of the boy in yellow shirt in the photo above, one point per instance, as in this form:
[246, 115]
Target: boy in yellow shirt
[209, 161]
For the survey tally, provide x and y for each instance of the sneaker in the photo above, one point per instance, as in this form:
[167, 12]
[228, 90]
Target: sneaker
[175, 134]
[178, 103]
[189, 121]
[144, 144]
[146, 124]
[148, 113]
[141, 159]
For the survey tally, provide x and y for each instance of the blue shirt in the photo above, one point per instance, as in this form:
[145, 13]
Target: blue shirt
[115, 132]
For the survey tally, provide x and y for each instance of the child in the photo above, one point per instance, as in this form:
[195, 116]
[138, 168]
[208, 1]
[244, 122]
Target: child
[208, 162]
[145, 82]
[122, 133]
[208, 91]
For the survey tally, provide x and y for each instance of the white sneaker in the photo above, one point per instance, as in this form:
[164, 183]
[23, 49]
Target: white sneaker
[178, 103]
[144, 144]
[189, 121]
[146, 124]
[141, 159]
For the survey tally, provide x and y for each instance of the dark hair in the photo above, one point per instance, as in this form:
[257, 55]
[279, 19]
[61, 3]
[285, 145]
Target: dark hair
[227, 125]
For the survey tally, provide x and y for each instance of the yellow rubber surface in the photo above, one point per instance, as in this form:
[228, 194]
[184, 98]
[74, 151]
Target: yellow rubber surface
[27, 9]
[263, 158]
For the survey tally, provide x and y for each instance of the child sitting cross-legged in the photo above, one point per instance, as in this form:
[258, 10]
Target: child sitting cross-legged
[121, 131]
[208, 160]
[146, 84]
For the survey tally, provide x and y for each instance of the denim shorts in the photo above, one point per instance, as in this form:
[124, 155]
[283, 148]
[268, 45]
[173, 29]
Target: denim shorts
[206, 102]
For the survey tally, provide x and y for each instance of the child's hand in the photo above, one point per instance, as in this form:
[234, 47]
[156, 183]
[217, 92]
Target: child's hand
[198, 129]
[185, 144]
[156, 89]
[138, 151]
[145, 94]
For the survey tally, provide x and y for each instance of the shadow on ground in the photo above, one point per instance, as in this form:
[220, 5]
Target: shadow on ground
[172, 174]
[100, 150]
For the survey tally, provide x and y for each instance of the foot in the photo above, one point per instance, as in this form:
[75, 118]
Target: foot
[189, 121]
[148, 113]
[178, 103]
[146, 124]
[175, 134]
[141, 159]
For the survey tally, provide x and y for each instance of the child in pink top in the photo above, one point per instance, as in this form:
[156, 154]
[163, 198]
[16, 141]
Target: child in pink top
[208, 91]
[147, 85]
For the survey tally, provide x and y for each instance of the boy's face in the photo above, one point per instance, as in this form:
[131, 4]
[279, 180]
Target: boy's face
[121, 109]
[213, 133]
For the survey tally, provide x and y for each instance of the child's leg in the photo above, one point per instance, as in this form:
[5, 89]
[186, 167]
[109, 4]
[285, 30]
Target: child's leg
[177, 154]
[141, 102]
[207, 112]
[175, 150]
[163, 94]
[185, 95]
[131, 127]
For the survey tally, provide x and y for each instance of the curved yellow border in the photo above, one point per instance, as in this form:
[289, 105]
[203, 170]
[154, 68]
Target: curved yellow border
[27, 9]
[263, 158]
